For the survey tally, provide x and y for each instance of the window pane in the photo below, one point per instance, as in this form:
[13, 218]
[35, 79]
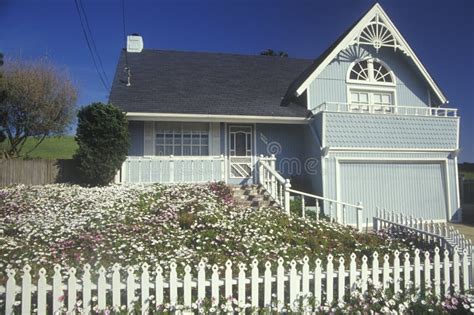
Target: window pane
[195, 150]
[160, 150]
[186, 139]
[363, 98]
[355, 97]
[196, 138]
[177, 139]
[186, 150]
[205, 150]
[160, 138]
[377, 98]
[177, 151]
[386, 99]
[169, 139]
[204, 139]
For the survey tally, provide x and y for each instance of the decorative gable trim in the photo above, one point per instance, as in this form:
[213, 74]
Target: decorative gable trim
[377, 30]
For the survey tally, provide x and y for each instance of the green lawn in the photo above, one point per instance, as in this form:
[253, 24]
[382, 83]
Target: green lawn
[51, 148]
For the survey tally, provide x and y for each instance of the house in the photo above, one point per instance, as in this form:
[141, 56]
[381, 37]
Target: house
[364, 122]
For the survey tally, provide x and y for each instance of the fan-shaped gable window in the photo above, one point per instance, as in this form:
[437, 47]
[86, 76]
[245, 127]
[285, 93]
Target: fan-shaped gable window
[371, 71]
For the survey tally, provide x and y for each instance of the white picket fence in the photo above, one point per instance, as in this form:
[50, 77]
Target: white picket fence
[327, 282]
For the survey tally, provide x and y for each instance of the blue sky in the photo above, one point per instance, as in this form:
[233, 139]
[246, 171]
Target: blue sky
[440, 32]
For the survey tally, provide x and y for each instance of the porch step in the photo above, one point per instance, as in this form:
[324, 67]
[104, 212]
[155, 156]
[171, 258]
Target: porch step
[251, 196]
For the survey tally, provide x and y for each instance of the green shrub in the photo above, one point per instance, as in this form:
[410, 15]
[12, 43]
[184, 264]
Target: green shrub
[103, 139]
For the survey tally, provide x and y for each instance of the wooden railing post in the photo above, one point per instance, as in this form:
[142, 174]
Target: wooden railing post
[359, 216]
[260, 170]
[286, 197]
[375, 224]
[273, 179]
[303, 207]
[222, 164]
[171, 169]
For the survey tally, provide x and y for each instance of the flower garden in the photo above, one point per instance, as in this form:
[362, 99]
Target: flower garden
[73, 225]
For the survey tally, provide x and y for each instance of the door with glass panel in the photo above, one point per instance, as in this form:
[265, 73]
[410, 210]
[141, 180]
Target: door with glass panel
[367, 101]
[240, 151]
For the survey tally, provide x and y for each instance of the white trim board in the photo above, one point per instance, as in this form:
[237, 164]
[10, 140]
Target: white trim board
[216, 118]
[354, 32]
[404, 150]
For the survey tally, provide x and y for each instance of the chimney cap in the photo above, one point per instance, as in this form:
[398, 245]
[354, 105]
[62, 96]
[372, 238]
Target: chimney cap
[134, 43]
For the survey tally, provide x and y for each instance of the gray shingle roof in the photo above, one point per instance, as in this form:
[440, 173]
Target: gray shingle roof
[207, 83]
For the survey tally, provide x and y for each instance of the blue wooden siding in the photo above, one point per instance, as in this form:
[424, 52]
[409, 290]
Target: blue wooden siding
[330, 85]
[414, 183]
[287, 143]
[389, 131]
[135, 129]
[312, 175]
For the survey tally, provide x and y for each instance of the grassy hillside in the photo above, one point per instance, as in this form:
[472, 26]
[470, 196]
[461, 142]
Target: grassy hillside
[51, 148]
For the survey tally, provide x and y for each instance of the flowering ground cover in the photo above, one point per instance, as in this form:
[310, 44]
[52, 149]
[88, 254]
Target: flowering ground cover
[73, 225]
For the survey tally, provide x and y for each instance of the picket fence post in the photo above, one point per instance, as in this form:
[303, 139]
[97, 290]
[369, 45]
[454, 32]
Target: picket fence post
[291, 282]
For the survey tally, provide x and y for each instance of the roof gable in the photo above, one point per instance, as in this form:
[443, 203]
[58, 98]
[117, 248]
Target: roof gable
[374, 28]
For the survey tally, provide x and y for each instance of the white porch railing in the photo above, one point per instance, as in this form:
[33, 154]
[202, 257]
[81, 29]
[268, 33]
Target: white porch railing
[173, 169]
[275, 185]
[280, 190]
[338, 210]
[385, 109]
[258, 285]
[440, 233]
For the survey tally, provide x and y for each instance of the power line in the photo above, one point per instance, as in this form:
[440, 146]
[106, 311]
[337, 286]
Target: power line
[127, 66]
[89, 46]
[93, 43]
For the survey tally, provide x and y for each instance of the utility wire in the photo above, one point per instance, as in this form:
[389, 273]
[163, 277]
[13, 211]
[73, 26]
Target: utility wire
[89, 46]
[127, 66]
[93, 43]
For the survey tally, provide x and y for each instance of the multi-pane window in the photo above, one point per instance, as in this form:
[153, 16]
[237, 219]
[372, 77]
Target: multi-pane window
[359, 97]
[182, 139]
[370, 70]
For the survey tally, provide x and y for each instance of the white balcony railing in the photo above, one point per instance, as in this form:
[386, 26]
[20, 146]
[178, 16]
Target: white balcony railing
[173, 169]
[385, 109]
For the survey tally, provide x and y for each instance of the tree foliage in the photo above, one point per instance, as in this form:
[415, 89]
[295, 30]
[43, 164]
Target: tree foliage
[103, 139]
[36, 100]
[272, 53]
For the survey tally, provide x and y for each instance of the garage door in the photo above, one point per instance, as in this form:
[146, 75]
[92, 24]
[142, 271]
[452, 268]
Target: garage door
[416, 189]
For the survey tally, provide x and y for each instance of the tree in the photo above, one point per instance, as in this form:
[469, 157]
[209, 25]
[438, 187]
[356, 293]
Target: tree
[103, 139]
[36, 100]
[272, 53]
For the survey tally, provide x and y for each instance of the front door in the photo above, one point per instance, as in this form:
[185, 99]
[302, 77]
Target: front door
[240, 152]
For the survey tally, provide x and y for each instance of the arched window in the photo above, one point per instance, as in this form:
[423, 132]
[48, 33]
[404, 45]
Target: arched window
[370, 71]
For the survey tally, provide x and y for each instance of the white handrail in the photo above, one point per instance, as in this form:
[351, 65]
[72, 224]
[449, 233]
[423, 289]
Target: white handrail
[385, 109]
[272, 182]
[324, 199]
[274, 173]
[340, 217]
[279, 190]
[446, 236]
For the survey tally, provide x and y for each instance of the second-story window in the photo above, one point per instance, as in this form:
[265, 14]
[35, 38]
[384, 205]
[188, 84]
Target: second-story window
[371, 86]
[370, 71]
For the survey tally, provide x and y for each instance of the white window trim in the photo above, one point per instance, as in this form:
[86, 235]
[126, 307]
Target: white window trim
[371, 81]
[370, 90]
[209, 146]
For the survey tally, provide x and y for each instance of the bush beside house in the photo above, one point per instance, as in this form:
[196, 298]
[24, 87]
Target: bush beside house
[103, 139]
